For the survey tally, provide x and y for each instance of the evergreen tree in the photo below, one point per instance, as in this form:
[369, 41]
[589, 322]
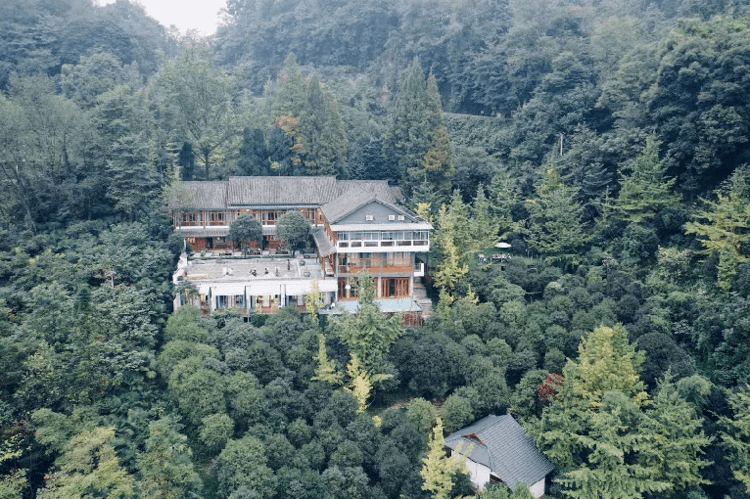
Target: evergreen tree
[369, 334]
[89, 467]
[322, 133]
[504, 195]
[736, 437]
[326, 370]
[166, 468]
[133, 179]
[454, 232]
[408, 136]
[645, 191]
[607, 437]
[679, 441]
[727, 228]
[290, 94]
[484, 228]
[437, 168]
[606, 362]
[438, 470]
[555, 218]
[254, 157]
[612, 444]
[186, 160]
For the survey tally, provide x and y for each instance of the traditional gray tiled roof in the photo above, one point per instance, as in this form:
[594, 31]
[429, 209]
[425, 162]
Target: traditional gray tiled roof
[279, 192]
[272, 191]
[378, 188]
[505, 448]
[201, 195]
[324, 245]
[348, 202]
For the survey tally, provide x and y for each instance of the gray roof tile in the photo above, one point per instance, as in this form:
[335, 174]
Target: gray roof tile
[508, 451]
[295, 191]
[202, 196]
[324, 245]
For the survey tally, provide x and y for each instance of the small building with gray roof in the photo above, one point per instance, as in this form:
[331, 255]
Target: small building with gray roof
[498, 449]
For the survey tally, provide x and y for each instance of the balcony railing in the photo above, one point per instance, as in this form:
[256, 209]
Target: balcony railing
[378, 266]
[381, 244]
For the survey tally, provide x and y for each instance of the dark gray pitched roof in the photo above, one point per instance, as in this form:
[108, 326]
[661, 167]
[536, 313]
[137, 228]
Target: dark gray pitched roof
[324, 245]
[348, 202]
[378, 188]
[505, 448]
[201, 195]
[291, 191]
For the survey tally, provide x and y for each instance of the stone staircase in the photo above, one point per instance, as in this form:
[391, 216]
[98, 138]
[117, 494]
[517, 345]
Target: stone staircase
[420, 296]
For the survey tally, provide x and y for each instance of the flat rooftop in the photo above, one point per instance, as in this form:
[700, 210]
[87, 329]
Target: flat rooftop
[244, 270]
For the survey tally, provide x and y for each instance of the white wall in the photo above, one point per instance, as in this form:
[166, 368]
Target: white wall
[479, 474]
[537, 490]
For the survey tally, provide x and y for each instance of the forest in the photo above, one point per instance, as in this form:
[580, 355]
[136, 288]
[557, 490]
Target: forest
[607, 141]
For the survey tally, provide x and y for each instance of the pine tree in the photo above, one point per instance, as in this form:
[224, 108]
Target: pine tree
[166, 468]
[186, 160]
[314, 301]
[290, 94]
[679, 441]
[727, 228]
[89, 467]
[360, 384]
[736, 437]
[254, 157]
[504, 195]
[645, 191]
[484, 227]
[606, 362]
[133, 179]
[605, 435]
[370, 333]
[612, 444]
[321, 132]
[408, 136]
[556, 227]
[326, 370]
[438, 470]
[454, 232]
[437, 167]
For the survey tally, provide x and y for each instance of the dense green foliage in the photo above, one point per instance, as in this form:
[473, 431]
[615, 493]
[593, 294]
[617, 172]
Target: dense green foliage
[605, 141]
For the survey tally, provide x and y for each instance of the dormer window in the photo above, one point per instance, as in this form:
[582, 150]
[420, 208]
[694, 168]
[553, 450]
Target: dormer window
[369, 218]
[391, 217]
[401, 218]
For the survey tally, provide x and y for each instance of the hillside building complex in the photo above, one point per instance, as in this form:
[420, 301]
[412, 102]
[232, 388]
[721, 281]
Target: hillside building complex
[356, 225]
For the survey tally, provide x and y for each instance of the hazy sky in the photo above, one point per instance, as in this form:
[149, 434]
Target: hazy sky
[202, 15]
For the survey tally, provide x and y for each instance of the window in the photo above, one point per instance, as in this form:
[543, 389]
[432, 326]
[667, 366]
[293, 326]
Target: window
[239, 301]
[391, 217]
[369, 218]
[401, 218]
[343, 236]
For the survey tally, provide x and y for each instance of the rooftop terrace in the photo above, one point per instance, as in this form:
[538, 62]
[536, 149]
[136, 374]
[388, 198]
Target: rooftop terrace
[244, 270]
